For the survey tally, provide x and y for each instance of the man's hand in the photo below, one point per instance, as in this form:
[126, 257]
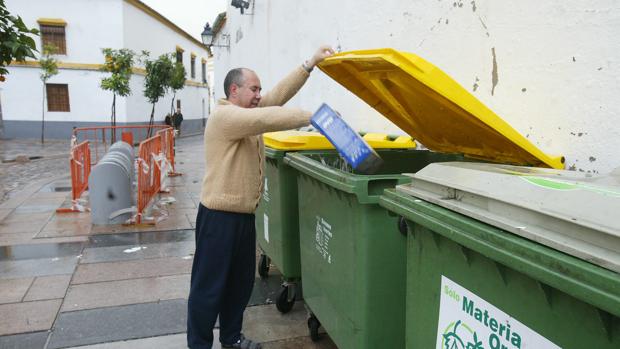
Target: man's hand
[320, 55]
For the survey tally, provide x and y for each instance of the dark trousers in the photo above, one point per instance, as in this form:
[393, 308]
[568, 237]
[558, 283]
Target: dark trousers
[222, 276]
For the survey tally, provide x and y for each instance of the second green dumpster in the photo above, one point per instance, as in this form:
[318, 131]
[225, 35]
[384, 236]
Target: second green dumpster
[353, 261]
[277, 215]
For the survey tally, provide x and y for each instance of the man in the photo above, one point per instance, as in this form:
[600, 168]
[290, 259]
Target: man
[224, 261]
[177, 119]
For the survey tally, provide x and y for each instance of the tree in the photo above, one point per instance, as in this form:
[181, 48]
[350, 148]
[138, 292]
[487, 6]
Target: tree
[120, 64]
[15, 43]
[177, 82]
[49, 68]
[157, 81]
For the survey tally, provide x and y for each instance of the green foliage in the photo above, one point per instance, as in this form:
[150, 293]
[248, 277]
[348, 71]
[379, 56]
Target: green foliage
[15, 42]
[158, 77]
[49, 65]
[177, 80]
[120, 64]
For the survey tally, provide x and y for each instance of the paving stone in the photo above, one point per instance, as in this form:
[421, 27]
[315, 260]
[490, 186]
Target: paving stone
[28, 316]
[98, 272]
[41, 250]
[37, 207]
[48, 287]
[63, 227]
[265, 323]
[34, 201]
[46, 193]
[114, 293]
[302, 343]
[35, 340]
[15, 239]
[171, 222]
[133, 252]
[265, 291]
[31, 228]
[163, 342]
[13, 290]
[9, 240]
[119, 323]
[137, 238]
[37, 267]
[27, 217]
[4, 212]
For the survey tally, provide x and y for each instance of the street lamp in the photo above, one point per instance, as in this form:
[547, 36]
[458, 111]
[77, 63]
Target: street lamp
[208, 37]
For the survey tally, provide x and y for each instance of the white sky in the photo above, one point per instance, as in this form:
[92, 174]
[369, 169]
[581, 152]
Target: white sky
[189, 15]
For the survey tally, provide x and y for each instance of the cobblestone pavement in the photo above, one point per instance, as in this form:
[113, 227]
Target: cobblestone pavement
[49, 160]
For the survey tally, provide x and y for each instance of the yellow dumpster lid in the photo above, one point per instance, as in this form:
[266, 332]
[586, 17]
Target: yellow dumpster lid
[306, 140]
[427, 104]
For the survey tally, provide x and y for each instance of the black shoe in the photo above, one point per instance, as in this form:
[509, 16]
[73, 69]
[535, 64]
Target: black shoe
[243, 343]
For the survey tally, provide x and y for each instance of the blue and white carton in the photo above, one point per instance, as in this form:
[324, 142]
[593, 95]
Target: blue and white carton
[351, 146]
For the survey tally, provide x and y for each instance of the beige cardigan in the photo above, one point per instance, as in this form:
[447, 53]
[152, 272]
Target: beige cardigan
[234, 148]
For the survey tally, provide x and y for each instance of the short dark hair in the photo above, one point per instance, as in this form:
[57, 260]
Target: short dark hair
[234, 76]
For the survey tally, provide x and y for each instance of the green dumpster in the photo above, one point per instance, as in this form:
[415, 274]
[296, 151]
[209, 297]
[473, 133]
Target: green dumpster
[510, 257]
[353, 259]
[277, 214]
[352, 256]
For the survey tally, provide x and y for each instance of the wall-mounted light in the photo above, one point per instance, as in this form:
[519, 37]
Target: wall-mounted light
[208, 37]
[240, 4]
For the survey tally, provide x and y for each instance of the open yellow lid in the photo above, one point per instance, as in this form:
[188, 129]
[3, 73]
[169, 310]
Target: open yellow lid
[306, 140]
[427, 104]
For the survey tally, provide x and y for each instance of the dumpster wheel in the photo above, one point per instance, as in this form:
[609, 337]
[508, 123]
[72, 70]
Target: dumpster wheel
[263, 266]
[313, 327]
[283, 303]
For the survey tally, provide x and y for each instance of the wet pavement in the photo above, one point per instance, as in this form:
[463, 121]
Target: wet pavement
[65, 283]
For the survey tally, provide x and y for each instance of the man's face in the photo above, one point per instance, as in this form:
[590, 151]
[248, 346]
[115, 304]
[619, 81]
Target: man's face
[248, 94]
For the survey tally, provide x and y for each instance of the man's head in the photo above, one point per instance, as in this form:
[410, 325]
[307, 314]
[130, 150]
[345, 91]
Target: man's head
[242, 87]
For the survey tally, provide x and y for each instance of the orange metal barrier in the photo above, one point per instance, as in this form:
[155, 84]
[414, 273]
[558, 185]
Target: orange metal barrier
[127, 137]
[167, 144]
[154, 154]
[150, 158]
[101, 137]
[80, 170]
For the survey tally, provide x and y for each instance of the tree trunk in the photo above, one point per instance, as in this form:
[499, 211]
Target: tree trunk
[43, 116]
[172, 105]
[113, 122]
[151, 121]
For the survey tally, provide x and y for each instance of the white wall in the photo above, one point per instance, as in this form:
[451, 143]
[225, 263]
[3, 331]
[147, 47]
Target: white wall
[556, 61]
[91, 24]
[143, 32]
[22, 94]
